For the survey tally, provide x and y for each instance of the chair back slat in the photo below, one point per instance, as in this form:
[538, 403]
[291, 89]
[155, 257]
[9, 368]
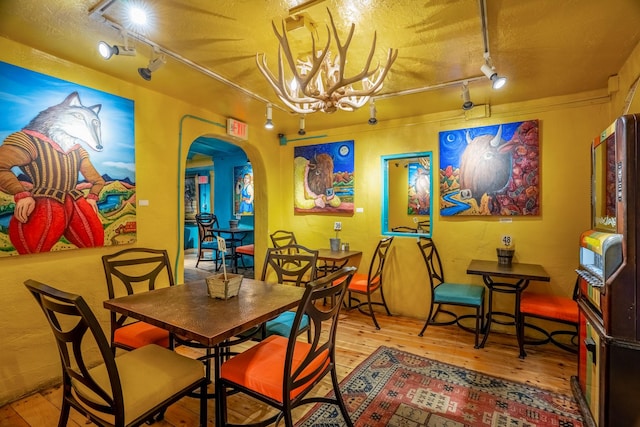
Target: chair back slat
[281, 238]
[73, 324]
[291, 264]
[432, 260]
[135, 270]
[206, 223]
[323, 320]
[376, 267]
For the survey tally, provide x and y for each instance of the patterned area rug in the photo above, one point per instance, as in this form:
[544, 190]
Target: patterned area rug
[395, 388]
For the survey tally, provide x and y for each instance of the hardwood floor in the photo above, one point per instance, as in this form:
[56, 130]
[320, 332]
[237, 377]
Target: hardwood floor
[545, 366]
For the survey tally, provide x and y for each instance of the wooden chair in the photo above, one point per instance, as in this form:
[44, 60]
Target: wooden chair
[293, 265]
[283, 238]
[280, 371]
[207, 242]
[128, 390]
[554, 308]
[368, 284]
[130, 271]
[446, 293]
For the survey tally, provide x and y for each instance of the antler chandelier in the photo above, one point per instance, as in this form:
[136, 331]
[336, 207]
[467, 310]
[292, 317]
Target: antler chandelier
[318, 83]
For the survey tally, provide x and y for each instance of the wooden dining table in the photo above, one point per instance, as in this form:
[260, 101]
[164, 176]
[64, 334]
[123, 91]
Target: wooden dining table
[334, 260]
[494, 275]
[188, 311]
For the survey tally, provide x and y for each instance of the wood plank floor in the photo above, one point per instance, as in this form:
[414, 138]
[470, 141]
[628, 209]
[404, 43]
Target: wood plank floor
[545, 366]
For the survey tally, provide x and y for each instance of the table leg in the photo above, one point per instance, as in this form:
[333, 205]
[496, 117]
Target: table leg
[505, 288]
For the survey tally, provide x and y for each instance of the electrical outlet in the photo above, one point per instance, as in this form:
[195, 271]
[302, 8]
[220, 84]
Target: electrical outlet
[337, 226]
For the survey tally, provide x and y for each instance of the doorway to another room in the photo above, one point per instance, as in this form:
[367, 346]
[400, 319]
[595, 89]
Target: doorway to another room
[219, 181]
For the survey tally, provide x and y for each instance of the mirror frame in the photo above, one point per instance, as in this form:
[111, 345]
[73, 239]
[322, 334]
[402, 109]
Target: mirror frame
[385, 161]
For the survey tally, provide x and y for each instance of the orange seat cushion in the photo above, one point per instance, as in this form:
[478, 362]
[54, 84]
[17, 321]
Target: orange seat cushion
[261, 368]
[360, 281]
[245, 249]
[139, 334]
[550, 306]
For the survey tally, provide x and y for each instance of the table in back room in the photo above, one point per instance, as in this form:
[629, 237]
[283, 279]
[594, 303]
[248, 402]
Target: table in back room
[521, 273]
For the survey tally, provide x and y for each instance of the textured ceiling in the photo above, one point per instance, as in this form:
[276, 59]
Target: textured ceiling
[545, 47]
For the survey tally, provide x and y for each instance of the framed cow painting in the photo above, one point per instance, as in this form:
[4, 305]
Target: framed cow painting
[490, 170]
[323, 178]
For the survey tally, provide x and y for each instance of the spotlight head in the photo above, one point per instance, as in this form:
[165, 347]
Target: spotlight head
[467, 104]
[301, 131]
[106, 51]
[269, 123]
[372, 113]
[496, 81]
[154, 65]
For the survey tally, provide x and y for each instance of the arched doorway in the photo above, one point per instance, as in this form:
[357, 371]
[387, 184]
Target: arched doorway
[214, 175]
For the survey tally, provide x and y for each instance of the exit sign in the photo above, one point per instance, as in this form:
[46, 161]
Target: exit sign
[237, 129]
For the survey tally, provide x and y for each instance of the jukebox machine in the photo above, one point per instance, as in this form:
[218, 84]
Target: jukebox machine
[608, 383]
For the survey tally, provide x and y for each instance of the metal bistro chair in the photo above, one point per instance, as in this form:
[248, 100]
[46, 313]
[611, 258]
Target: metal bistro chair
[207, 242]
[368, 284]
[291, 265]
[282, 371]
[446, 293]
[281, 238]
[130, 271]
[128, 390]
[554, 308]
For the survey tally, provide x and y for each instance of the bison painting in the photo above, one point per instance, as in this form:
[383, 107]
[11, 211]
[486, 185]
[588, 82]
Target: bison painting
[492, 170]
[323, 178]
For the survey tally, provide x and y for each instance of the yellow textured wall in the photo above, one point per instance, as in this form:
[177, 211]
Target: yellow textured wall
[164, 129]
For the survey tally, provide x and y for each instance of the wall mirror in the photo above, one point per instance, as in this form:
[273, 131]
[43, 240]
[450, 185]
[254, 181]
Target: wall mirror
[407, 186]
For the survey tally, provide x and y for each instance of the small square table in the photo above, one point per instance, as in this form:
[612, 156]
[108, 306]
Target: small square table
[521, 273]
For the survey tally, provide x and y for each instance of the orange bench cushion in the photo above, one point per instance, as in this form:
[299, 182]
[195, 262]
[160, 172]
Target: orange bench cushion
[245, 249]
[139, 334]
[261, 368]
[549, 306]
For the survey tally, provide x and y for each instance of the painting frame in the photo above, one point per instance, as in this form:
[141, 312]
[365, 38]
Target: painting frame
[491, 170]
[97, 166]
[243, 191]
[331, 188]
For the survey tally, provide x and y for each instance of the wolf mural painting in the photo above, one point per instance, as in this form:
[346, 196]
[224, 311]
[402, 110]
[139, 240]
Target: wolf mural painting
[53, 185]
[492, 170]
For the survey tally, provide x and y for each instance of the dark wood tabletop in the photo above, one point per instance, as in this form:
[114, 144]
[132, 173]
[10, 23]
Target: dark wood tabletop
[187, 310]
[515, 270]
[329, 255]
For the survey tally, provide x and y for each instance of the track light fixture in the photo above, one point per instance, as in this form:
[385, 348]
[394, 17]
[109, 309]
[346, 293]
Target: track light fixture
[269, 123]
[301, 131]
[106, 51]
[490, 71]
[372, 112]
[467, 104]
[154, 65]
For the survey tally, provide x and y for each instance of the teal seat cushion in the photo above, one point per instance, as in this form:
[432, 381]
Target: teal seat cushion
[282, 324]
[210, 245]
[457, 293]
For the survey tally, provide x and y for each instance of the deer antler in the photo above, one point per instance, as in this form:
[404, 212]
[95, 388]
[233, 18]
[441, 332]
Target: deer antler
[321, 82]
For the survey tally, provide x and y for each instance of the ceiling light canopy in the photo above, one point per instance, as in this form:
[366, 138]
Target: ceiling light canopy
[319, 82]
